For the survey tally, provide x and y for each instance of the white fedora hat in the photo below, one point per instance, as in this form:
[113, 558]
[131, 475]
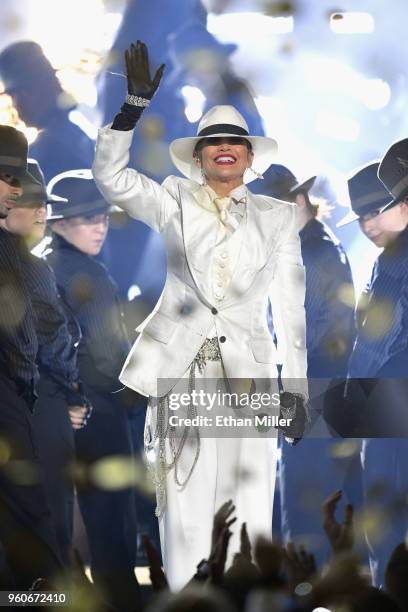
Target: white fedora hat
[217, 122]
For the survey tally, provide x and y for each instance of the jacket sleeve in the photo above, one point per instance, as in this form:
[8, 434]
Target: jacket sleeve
[287, 296]
[56, 351]
[140, 196]
[104, 345]
[330, 320]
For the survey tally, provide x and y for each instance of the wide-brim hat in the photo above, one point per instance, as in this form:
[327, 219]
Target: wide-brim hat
[280, 182]
[78, 193]
[219, 121]
[35, 191]
[367, 193]
[303, 185]
[393, 172]
[13, 153]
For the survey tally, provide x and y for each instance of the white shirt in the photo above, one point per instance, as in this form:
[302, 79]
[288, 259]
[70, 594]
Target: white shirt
[224, 255]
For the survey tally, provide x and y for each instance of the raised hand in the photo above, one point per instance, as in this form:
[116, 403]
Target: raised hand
[218, 556]
[223, 518]
[138, 71]
[340, 535]
[246, 547]
[157, 576]
[341, 583]
[269, 558]
[242, 565]
[300, 565]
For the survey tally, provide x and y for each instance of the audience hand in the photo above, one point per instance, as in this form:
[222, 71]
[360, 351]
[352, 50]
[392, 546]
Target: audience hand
[269, 558]
[340, 584]
[242, 565]
[300, 565]
[222, 519]
[157, 575]
[218, 557]
[340, 535]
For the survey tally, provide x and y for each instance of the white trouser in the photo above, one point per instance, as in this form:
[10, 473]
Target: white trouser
[242, 469]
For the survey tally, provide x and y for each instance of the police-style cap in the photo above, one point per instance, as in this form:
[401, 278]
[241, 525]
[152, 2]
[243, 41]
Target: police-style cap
[81, 193]
[279, 182]
[34, 189]
[366, 191]
[393, 172]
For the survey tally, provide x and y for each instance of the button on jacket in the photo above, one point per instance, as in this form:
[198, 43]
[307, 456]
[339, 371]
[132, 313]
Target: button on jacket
[269, 263]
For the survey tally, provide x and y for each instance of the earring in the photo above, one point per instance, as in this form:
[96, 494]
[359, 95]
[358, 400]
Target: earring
[259, 176]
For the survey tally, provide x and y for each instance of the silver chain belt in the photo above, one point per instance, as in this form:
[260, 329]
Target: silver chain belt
[209, 351]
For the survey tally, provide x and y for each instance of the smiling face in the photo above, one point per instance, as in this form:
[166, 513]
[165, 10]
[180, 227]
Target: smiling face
[383, 228]
[10, 190]
[86, 233]
[223, 160]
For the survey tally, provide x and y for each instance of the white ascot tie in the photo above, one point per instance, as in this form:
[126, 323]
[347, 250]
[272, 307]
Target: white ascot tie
[223, 205]
[230, 211]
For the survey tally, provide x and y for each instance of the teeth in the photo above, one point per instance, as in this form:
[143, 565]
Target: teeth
[225, 158]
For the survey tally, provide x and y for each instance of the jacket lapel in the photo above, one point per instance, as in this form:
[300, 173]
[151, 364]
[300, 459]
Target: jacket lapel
[199, 227]
[260, 238]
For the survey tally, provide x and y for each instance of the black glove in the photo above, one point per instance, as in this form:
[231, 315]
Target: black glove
[293, 410]
[138, 72]
[139, 84]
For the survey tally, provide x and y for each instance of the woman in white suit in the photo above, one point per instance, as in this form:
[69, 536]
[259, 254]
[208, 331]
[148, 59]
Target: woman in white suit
[228, 251]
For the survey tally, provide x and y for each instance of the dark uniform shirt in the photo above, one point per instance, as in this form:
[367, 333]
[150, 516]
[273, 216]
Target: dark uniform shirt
[57, 348]
[18, 339]
[329, 285]
[87, 288]
[383, 313]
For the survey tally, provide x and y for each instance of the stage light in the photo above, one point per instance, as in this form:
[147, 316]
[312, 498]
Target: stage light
[264, 26]
[9, 116]
[133, 292]
[376, 94]
[195, 101]
[337, 126]
[329, 75]
[352, 23]
[75, 116]
[79, 58]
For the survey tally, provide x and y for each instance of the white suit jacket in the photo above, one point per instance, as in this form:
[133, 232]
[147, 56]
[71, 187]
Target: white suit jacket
[269, 265]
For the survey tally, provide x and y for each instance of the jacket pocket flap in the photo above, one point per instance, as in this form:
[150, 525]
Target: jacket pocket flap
[160, 327]
[263, 350]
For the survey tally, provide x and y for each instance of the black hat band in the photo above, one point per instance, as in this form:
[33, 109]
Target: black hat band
[223, 128]
[399, 189]
[367, 201]
[18, 162]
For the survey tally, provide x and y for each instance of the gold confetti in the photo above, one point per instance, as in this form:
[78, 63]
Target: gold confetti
[22, 472]
[345, 294]
[344, 449]
[5, 451]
